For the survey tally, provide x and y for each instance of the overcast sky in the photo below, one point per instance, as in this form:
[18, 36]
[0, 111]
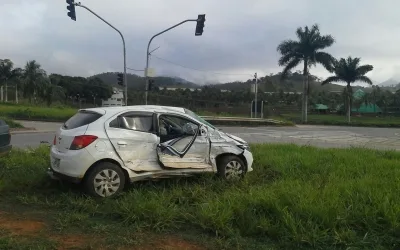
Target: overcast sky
[240, 37]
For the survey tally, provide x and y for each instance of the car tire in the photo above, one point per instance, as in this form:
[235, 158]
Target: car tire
[104, 180]
[231, 167]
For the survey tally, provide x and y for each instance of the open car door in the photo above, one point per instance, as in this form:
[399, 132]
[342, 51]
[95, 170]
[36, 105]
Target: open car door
[184, 144]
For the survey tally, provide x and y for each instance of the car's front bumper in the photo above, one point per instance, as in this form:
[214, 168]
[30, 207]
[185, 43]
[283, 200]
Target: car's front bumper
[249, 159]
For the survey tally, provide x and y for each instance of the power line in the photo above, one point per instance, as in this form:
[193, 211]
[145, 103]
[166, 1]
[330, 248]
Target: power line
[206, 71]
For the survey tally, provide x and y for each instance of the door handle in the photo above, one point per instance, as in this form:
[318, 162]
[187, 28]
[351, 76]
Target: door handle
[122, 143]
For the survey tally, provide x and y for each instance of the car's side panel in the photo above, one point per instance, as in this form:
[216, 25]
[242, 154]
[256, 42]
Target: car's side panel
[221, 144]
[136, 149]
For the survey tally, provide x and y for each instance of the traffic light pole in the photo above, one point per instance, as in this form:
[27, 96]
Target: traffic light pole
[146, 72]
[255, 94]
[123, 43]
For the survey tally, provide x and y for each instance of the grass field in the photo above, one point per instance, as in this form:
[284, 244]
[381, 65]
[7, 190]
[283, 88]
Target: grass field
[296, 198]
[331, 119]
[34, 112]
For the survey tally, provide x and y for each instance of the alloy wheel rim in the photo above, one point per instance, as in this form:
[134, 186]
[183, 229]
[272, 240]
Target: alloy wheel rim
[106, 182]
[233, 170]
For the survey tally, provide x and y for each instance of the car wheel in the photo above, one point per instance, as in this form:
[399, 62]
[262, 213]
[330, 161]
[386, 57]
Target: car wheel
[231, 167]
[105, 180]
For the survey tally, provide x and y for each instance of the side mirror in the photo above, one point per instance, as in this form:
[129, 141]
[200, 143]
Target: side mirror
[203, 131]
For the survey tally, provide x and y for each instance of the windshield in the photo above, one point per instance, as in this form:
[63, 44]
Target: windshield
[198, 118]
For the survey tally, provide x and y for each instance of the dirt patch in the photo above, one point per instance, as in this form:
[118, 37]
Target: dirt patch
[75, 242]
[170, 243]
[21, 226]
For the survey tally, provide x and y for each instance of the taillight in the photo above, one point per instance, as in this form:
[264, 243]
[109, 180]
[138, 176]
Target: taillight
[55, 140]
[82, 141]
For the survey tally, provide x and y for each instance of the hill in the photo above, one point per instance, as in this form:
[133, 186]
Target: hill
[270, 83]
[389, 83]
[138, 82]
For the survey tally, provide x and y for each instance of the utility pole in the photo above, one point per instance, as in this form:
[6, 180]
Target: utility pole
[199, 31]
[72, 15]
[255, 95]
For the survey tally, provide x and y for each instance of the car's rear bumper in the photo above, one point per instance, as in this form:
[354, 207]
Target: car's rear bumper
[4, 150]
[59, 176]
[71, 165]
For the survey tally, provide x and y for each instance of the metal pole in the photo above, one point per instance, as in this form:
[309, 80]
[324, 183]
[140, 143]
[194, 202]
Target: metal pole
[123, 43]
[255, 98]
[146, 73]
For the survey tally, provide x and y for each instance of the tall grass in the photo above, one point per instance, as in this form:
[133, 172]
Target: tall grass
[296, 197]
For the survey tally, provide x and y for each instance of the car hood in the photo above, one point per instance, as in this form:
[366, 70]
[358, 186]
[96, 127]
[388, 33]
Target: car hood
[238, 139]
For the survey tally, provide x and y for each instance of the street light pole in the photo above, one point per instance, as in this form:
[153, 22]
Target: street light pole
[146, 72]
[123, 43]
[255, 95]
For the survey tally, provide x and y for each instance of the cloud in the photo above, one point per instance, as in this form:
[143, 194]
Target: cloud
[240, 37]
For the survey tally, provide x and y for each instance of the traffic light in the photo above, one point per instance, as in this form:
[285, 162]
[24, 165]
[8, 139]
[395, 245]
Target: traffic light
[200, 24]
[121, 79]
[71, 7]
[151, 82]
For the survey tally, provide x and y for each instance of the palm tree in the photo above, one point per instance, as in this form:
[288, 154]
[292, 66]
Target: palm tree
[350, 71]
[8, 72]
[307, 50]
[33, 75]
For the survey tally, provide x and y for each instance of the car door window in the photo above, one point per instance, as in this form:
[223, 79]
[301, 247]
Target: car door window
[140, 123]
[177, 131]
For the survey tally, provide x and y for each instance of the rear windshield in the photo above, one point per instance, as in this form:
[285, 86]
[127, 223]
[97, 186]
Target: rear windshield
[80, 119]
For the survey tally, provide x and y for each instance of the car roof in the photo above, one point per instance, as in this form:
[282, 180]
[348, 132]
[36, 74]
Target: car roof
[149, 108]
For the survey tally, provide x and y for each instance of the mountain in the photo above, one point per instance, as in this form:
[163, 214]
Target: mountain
[138, 82]
[270, 83]
[389, 83]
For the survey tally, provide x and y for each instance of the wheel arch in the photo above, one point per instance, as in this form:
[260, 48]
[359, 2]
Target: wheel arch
[107, 160]
[223, 155]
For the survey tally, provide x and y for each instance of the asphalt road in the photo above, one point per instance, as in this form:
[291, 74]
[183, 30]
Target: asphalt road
[321, 136]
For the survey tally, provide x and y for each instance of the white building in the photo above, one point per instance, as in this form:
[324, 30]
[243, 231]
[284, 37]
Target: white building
[117, 99]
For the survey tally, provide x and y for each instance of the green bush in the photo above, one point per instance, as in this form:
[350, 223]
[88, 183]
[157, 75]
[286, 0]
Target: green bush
[297, 196]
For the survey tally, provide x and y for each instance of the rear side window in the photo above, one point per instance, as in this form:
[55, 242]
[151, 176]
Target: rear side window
[80, 119]
[133, 122]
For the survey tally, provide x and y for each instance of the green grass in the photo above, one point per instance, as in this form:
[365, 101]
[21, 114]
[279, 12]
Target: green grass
[331, 119]
[36, 112]
[297, 197]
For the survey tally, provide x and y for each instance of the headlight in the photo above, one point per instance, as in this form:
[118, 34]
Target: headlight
[244, 146]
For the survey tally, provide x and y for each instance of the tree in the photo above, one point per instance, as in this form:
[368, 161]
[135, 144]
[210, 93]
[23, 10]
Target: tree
[32, 75]
[7, 73]
[307, 50]
[349, 71]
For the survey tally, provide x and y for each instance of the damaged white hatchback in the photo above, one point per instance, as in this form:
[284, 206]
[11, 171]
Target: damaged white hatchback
[106, 148]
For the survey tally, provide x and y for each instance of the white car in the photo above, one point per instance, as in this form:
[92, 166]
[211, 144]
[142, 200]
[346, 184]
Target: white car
[105, 148]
